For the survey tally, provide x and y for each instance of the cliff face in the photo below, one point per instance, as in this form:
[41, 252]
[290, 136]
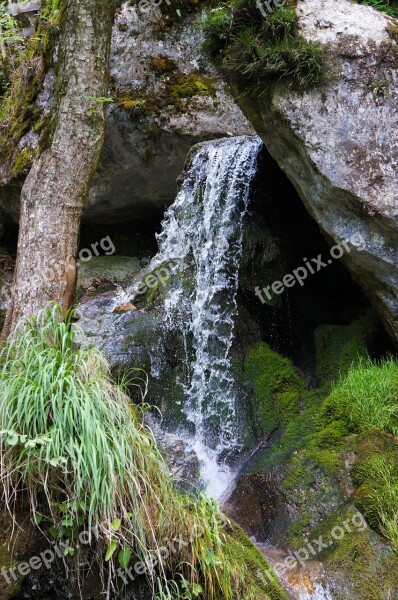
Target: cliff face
[338, 142]
[164, 97]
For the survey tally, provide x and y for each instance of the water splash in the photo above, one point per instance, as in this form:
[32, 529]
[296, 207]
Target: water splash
[202, 237]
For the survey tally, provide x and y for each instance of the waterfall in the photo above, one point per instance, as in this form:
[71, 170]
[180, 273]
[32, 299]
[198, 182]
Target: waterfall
[202, 234]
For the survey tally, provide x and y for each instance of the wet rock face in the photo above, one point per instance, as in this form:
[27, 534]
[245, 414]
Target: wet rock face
[167, 98]
[126, 338]
[338, 143]
[259, 506]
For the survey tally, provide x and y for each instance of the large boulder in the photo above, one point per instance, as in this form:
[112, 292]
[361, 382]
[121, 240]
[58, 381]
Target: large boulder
[338, 142]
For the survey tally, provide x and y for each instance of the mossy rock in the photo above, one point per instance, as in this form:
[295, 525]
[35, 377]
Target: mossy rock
[278, 387]
[188, 86]
[360, 564]
[258, 573]
[260, 49]
[338, 347]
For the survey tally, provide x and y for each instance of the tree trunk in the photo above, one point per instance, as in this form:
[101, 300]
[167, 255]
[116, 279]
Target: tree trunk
[56, 188]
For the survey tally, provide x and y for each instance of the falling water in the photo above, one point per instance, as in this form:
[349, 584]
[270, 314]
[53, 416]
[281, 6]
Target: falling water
[202, 231]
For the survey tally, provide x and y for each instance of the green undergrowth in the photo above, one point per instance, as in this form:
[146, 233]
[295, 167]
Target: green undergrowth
[357, 558]
[339, 346]
[258, 49]
[353, 412]
[361, 416]
[74, 442]
[389, 7]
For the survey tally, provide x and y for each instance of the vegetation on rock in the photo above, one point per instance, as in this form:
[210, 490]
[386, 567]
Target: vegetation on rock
[389, 7]
[74, 442]
[262, 50]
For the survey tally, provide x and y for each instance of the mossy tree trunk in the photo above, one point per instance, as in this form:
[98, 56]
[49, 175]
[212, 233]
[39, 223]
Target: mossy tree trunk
[56, 188]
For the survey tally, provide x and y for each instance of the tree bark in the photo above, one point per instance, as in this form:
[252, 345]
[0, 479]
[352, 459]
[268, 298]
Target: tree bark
[56, 188]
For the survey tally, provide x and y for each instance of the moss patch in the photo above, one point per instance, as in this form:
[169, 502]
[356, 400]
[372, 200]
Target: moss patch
[189, 86]
[277, 385]
[259, 575]
[19, 111]
[359, 559]
[340, 346]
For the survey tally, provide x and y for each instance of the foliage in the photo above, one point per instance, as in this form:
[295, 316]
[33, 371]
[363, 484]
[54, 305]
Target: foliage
[72, 439]
[368, 396]
[389, 7]
[338, 347]
[261, 50]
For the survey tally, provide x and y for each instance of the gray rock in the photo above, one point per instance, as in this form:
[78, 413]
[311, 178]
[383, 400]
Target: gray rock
[146, 147]
[338, 143]
[128, 340]
[103, 270]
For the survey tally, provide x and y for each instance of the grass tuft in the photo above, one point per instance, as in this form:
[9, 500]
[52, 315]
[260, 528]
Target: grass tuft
[261, 50]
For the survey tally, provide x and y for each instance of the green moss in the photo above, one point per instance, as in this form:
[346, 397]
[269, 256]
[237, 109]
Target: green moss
[162, 65]
[136, 105]
[259, 50]
[19, 111]
[259, 576]
[278, 387]
[188, 86]
[375, 475]
[359, 559]
[22, 162]
[339, 346]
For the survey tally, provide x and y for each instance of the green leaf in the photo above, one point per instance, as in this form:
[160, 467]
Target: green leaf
[124, 557]
[38, 518]
[12, 438]
[197, 590]
[116, 524]
[110, 550]
[53, 532]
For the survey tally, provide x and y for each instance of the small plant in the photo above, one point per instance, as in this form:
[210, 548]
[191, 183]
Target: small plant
[368, 396]
[262, 50]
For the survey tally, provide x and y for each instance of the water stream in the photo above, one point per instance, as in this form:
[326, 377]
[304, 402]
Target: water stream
[201, 238]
